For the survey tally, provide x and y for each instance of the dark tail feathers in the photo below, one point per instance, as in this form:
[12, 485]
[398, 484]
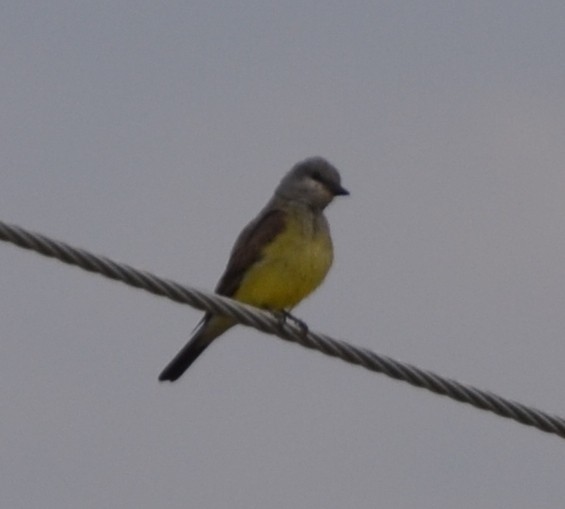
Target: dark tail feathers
[184, 359]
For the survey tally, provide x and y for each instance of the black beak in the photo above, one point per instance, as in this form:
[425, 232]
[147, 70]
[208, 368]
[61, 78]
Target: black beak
[337, 190]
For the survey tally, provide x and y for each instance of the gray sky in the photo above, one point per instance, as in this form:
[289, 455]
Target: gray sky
[152, 133]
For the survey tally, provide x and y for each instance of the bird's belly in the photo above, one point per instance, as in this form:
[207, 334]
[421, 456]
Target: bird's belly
[290, 269]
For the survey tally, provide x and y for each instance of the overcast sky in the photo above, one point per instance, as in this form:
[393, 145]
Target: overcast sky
[151, 132]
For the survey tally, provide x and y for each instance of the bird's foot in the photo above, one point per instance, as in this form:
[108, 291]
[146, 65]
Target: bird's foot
[285, 316]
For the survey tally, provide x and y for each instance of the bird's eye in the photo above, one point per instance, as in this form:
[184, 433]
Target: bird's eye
[316, 175]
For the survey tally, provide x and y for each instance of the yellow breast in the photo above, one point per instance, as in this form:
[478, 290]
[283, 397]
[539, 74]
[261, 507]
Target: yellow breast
[292, 266]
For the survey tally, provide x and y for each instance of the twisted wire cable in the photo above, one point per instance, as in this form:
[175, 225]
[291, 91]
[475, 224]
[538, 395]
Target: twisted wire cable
[288, 330]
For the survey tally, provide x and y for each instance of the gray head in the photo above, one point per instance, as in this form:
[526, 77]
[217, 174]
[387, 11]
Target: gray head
[314, 182]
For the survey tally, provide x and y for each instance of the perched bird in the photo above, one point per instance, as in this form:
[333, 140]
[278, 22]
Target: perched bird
[279, 258]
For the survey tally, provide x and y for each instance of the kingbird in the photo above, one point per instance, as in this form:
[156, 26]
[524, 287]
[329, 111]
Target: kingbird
[279, 258]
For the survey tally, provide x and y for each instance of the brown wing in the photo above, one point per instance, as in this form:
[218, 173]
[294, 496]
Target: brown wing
[248, 247]
[246, 251]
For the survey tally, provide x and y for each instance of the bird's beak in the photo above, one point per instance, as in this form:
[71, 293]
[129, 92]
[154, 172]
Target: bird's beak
[340, 191]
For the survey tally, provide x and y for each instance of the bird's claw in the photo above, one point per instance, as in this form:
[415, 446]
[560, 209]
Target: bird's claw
[285, 316]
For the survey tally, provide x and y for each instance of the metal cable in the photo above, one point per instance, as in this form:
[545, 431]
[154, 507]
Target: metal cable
[288, 330]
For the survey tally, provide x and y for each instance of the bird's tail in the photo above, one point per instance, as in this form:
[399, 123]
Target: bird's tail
[210, 328]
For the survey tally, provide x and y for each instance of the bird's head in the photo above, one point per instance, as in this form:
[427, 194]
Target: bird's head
[314, 182]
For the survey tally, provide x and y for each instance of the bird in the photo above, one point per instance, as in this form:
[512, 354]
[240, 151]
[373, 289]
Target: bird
[278, 259]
